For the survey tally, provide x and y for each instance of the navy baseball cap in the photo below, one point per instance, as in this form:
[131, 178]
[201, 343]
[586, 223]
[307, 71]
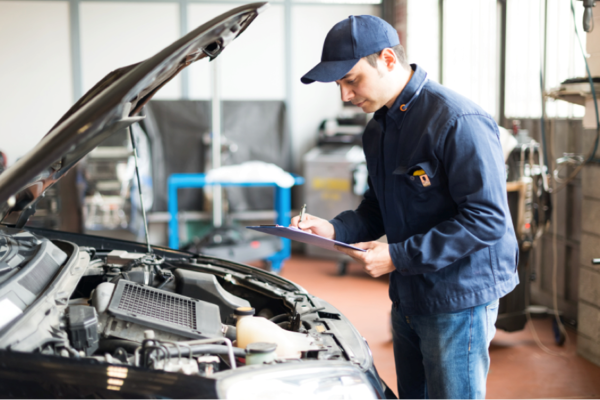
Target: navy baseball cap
[347, 42]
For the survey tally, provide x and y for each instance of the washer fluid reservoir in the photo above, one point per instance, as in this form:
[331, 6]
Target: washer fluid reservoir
[251, 329]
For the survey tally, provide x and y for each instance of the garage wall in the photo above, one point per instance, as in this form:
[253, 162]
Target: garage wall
[45, 68]
[317, 101]
[266, 62]
[35, 83]
[253, 66]
[588, 340]
[116, 34]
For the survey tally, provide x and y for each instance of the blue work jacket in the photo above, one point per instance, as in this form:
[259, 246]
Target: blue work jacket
[450, 235]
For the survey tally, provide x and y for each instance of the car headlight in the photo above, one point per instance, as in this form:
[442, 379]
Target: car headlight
[298, 381]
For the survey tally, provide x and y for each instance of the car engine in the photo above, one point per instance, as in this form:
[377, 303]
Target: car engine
[153, 311]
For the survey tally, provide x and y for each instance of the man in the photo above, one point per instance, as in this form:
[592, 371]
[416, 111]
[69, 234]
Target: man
[437, 190]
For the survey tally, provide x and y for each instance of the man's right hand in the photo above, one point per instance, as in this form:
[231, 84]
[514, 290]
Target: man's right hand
[315, 225]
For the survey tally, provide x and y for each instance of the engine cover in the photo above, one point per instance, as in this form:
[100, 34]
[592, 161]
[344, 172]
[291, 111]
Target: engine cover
[165, 311]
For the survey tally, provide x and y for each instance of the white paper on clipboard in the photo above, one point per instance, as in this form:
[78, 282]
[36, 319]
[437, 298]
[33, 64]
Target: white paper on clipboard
[293, 233]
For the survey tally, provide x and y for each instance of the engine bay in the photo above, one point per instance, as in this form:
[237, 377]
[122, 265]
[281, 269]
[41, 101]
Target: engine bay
[146, 310]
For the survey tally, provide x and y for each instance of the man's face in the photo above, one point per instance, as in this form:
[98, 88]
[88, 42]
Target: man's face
[366, 87]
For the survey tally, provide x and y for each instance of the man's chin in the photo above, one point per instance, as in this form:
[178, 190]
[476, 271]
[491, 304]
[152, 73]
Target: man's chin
[368, 108]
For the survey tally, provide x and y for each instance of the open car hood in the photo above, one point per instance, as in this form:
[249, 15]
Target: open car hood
[111, 105]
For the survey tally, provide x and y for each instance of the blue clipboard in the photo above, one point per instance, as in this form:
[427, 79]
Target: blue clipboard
[301, 236]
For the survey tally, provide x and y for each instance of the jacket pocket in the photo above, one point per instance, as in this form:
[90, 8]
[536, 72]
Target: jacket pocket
[429, 166]
[423, 196]
[419, 183]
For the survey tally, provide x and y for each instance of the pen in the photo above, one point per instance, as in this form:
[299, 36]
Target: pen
[302, 212]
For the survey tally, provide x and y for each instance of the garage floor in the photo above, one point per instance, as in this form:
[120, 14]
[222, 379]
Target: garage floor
[519, 368]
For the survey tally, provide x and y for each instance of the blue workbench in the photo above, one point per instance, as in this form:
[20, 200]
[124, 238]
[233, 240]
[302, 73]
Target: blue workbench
[283, 201]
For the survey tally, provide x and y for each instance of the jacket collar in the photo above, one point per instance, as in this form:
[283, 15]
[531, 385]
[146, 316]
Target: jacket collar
[410, 92]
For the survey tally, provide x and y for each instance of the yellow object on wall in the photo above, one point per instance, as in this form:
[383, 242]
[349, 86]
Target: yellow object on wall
[342, 185]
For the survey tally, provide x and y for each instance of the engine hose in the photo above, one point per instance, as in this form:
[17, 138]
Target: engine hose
[204, 349]
[283, 320]
[285, 325]
[168, 280]
[110, 345]
[230, 332]
[280, 318]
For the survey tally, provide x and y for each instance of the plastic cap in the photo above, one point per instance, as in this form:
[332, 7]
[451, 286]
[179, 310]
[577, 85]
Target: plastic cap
[261, 348]
[243, 311]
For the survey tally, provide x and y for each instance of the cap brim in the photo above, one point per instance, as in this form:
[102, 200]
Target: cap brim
[329, 71]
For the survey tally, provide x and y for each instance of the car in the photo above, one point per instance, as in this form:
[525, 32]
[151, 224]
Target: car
[95, 317]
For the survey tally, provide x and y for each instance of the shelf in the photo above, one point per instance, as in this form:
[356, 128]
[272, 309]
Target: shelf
[576, 93]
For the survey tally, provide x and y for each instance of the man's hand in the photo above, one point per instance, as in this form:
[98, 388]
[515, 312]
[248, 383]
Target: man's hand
[316, 225]
[377, 260]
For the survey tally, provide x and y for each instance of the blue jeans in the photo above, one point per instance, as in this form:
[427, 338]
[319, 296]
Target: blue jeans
[443, 356]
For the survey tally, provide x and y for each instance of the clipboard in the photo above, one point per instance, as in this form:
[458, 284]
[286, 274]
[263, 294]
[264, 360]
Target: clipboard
[290, 232]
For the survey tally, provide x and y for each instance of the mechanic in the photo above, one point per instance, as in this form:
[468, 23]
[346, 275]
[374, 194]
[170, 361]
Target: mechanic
[437, 190]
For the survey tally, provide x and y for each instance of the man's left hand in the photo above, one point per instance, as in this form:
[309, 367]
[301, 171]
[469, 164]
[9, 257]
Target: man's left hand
[376, 259]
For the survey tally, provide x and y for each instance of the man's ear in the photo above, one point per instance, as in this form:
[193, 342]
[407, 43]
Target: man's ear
[388, 58]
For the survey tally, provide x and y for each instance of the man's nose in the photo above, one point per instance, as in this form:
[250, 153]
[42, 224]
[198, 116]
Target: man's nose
[347, 94]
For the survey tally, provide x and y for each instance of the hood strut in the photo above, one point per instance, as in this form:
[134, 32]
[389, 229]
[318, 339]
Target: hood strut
[126, 110]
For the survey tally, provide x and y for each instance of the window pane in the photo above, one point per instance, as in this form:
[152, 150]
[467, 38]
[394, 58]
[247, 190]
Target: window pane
[564, 58]
[523, 56]
[470, 51]
[524, 47]
[423, 38]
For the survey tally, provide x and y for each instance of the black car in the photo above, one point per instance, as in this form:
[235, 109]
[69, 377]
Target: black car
[85, 316]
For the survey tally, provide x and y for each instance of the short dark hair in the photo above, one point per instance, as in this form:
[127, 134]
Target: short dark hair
[400, 54]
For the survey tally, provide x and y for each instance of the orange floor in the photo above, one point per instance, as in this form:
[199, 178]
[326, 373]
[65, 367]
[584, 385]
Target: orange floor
[519, 368]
